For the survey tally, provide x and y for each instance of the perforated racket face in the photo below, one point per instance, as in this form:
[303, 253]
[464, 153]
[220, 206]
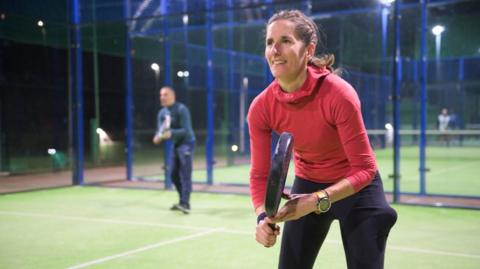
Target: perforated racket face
[278, 173]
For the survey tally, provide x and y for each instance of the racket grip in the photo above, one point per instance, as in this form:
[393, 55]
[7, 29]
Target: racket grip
[262, 216]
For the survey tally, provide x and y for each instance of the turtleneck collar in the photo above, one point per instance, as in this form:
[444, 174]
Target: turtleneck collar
[308, 87]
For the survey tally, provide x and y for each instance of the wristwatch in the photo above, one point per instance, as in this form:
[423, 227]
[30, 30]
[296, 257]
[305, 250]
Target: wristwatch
[323, 202]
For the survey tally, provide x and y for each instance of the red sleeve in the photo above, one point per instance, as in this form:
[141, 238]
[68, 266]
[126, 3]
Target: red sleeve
[347, 114]
[260, 148]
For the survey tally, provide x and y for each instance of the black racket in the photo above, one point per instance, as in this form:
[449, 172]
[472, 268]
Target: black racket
[278, 174]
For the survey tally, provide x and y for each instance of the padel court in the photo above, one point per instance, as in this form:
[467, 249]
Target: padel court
[83, 185]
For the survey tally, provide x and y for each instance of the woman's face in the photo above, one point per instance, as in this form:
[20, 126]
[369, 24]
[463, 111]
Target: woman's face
[287, 56]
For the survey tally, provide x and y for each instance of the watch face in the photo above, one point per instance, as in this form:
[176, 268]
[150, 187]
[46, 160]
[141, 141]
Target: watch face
[324, 205]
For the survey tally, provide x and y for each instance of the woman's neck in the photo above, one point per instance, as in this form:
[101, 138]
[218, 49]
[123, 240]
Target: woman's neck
[294, 84]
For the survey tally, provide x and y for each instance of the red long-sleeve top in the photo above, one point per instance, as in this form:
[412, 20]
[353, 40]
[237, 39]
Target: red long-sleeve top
[325, 119]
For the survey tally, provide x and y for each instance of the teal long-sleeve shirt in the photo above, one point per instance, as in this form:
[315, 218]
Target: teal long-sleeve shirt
[180, 123]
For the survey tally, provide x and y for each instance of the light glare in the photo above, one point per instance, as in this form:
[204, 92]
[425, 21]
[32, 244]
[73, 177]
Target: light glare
[104, 139]
[438, 29]
[245, 82]
[387, 2]
[155, 67]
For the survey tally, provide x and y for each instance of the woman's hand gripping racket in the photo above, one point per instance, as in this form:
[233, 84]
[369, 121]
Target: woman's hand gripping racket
[278, 174]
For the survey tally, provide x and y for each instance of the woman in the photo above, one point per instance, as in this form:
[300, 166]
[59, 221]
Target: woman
[335, 167]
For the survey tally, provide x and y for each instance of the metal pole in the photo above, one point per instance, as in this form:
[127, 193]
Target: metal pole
[383, 71]
[76, 73]
[268, 75]
[96, 89]
[460, 110]
[167, 145]
[243, 113]
[397, 78]
[423, 95]
[4, 158]
[231, 86]
[128, 91]
[210, 94]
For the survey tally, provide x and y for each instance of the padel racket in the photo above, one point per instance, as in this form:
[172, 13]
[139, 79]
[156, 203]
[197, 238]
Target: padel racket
[165, 126]
[278, 174]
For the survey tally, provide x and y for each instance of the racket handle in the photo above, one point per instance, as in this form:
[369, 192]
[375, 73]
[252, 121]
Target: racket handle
[272, 226]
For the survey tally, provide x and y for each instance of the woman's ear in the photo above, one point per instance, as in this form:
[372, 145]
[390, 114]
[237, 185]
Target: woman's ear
[311, 51]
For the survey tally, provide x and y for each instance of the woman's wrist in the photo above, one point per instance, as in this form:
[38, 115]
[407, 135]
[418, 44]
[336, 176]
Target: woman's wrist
[261, 216]
[313, 202]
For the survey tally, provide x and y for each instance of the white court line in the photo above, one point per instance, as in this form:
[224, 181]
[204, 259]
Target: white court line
[111, 221]
[453, 168]
[224, 230]
[145, 248]
[414, 177]
[434, 252]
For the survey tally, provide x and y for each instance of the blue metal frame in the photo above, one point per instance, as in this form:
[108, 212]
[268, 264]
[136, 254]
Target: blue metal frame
[128, 92]
[397, 78]
[76, 73]
[210, 94]
[423, 95]
[461, 77]
[231, 76]
[186, 42]
[384, 11]
[167, 145]
[269, 76]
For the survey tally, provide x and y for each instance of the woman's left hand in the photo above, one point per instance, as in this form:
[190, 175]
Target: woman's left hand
[298, 206]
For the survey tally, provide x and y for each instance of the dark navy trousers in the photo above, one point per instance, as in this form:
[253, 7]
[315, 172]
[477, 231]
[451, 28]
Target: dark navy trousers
[365, 220]
[181, 175]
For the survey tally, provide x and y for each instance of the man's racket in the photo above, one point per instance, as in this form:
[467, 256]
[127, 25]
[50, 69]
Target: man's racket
[165, 126]
[278, 174]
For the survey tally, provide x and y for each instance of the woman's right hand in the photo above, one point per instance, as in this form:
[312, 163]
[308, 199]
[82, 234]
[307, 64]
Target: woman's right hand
[265, 235]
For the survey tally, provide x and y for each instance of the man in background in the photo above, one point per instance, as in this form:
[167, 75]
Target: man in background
[443, 122]
[174, 122]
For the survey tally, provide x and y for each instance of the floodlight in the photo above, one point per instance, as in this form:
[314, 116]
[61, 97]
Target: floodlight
[438, 30]
[155, 67]
[386, 2]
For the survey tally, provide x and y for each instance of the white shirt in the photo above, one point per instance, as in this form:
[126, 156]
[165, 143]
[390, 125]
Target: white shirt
[443, 121]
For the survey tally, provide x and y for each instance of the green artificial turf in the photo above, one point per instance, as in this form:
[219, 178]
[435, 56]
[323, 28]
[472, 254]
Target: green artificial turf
[126, 228]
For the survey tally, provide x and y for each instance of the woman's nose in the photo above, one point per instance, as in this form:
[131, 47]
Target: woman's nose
[275, 49]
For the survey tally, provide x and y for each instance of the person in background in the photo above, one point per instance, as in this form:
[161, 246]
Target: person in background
[336, 175]
[174, 122]
[443, 122]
